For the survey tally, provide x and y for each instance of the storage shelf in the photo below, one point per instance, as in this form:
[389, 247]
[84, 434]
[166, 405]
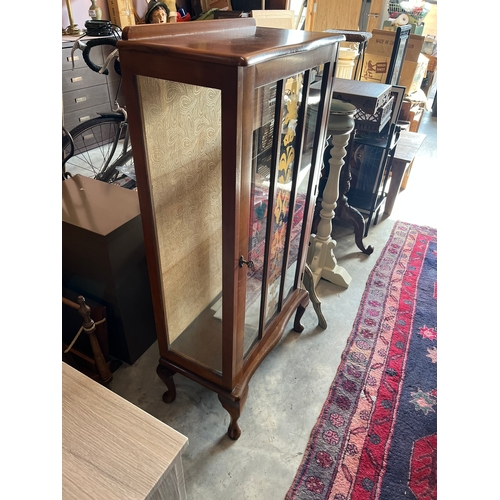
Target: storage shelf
[364, 201]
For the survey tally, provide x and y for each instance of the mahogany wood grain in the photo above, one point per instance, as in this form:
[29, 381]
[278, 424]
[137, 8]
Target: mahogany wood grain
[235, 57]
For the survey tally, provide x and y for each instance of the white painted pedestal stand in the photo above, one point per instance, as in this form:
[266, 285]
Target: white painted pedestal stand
[320, 257]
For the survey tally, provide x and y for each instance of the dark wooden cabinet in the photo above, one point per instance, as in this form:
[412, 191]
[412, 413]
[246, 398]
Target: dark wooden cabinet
[103, 258]
[85, 93]
[228, 138]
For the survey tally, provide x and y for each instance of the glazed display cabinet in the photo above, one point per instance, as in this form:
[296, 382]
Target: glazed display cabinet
[227, 140]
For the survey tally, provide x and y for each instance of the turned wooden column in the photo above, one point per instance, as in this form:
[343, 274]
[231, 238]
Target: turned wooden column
[321, 258]
[105, 375]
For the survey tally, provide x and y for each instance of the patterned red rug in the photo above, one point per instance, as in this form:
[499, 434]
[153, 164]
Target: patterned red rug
[376, 436]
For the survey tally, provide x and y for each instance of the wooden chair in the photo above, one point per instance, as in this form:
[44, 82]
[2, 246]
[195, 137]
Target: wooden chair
[99, 369]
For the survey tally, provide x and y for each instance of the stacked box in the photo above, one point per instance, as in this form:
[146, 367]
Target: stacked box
[368, 100]
[416, 29]
[121, 13]
[378, 56]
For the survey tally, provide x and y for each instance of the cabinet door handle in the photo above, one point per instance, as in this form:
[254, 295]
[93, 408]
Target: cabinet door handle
[249, 263]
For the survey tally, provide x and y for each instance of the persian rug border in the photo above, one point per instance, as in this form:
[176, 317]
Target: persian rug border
[376, 349]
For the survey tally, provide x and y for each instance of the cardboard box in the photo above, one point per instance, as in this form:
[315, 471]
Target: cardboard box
[433, 62]
[415, 29]
[121, 13]
[413, 73]
[274, 18]
[429, 46]
[378, 56]
[215, 4]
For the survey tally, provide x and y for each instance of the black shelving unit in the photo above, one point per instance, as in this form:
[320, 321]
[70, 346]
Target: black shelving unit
[371, 162]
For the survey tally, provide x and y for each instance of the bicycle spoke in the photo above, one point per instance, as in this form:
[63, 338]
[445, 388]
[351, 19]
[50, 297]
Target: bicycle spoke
[93, 148]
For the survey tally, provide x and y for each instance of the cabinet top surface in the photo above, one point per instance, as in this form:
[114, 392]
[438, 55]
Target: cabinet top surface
[229, 41]
[111, 449]
[97, 206]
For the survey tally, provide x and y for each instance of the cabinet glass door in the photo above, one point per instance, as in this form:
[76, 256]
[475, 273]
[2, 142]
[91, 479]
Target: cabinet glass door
[286, 178]
[262, 158]
[182, 134]
[302, 186]
[273, 232]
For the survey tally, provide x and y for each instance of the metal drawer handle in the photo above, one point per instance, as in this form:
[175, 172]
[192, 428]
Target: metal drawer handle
[249, 263]
[77, 79]
[84, 118]
[75, 58]
[80, 99]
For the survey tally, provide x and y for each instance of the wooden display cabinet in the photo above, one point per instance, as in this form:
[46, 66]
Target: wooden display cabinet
[228, 137]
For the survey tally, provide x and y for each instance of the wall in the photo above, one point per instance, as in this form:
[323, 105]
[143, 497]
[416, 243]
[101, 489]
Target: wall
[80, 10]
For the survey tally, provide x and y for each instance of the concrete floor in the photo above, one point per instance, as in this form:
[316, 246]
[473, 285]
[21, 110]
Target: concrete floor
[288, 390]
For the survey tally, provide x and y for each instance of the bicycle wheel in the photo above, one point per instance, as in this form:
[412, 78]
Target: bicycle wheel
[111, 173]
[98, 148]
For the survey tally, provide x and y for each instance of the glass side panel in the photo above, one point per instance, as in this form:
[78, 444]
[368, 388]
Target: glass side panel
[285, 179]
[265, 99]
[182, 134]
[302, 185]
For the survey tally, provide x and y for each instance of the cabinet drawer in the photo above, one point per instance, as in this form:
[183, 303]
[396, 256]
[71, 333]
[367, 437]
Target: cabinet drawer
[71, 120]
[85, 98]
[79, 62]
[81, 78]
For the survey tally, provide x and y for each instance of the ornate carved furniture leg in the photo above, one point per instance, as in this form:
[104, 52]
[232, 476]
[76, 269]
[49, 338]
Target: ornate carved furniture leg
[167, 377]
[297, 325]
[321, 258]
[310, 287]
[234, 406]
[346, 212]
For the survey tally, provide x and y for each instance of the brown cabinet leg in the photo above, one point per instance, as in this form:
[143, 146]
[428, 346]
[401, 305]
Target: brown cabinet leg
[234, 406]
[166, 376]
[309, 286]
[297, 325]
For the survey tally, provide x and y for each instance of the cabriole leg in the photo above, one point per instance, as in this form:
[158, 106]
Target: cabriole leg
[234, 406]
[166, 376]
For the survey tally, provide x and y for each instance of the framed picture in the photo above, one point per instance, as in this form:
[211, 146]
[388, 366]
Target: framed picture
[398, 92]
[398, 54]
